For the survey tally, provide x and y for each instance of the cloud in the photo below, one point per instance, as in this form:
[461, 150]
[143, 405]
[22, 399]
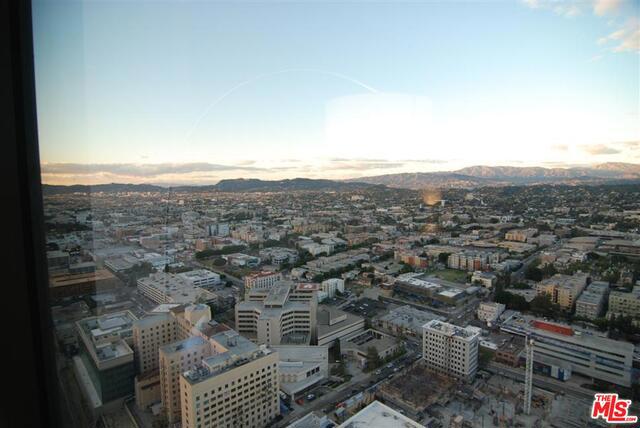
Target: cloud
[568, 9]
[362, 164]
[604, 7]
[138, 170]
[560, 147]
[626, 39]
[599, 149]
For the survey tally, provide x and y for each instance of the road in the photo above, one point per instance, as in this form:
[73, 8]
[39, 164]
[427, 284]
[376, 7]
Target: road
[518, 275]
[343, 392]
[234, 279]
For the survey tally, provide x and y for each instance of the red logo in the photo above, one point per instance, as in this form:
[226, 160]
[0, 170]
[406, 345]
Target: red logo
[612, 409]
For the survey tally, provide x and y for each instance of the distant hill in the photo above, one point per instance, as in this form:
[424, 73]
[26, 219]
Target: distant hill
[232, 185]
[53, 189]
[477, 176]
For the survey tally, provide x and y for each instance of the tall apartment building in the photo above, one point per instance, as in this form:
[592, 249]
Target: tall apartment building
[164, 287]
[237, 386]
[625, 303]
[563, 289]
[150, 335]
[284, 314]
[451, 350]
[152, 332]
[591, 302]
[174, 359]
[261, 281]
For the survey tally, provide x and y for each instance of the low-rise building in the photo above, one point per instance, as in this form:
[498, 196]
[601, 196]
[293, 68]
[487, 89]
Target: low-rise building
[164, 287]
[625, 303]
[301, 367]
[356, 346]
[378, 415]
[559, 347]
[490, 311]
[261, 281]
[563, 289]
[334, 324]
[201, 278]
[329, 288]
[486, 279]
[406, 320]
[591, 302]
[520, 235]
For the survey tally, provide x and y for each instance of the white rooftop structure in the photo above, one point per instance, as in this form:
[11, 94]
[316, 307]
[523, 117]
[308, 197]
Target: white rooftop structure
[377, 415]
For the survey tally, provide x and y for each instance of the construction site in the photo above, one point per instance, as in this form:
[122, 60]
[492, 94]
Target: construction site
[435, 400]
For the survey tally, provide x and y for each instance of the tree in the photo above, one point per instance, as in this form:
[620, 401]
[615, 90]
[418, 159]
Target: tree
[443, 257]
[373, 358]
[219, 262]
[543, 306]
[512, 301]
[533, 273]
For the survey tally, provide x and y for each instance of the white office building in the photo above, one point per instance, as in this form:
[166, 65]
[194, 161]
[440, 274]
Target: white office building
[201, 278]
[450, 350]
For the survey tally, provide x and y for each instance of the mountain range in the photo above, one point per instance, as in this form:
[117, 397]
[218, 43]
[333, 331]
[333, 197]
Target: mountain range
[231, 185]
[470, 177]
[478, 176]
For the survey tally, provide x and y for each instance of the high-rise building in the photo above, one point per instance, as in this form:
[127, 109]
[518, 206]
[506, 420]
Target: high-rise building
[284, 314]
[153, 333]
[106, 357]
[450, 349]
[237, 386]
[174, 359]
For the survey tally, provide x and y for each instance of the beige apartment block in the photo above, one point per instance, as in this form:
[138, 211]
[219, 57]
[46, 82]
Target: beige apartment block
[176, 358]
[237, 386]
[563, 289]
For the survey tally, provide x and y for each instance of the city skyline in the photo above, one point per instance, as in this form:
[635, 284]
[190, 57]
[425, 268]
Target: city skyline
[155, 93]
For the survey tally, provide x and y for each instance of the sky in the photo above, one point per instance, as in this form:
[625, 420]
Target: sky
[192, 92]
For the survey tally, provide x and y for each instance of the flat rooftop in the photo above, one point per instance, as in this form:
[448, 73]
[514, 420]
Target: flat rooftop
[236, 351]
[378, 415]
[451, 330]
[66, 279]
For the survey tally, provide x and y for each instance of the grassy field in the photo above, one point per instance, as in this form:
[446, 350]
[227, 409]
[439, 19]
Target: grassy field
[452, 275]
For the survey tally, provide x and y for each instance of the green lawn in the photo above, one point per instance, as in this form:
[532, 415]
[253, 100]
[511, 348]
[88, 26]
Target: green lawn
[452, 275]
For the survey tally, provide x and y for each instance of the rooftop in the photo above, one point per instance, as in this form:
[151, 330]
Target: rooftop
[451, 330]
[234, 351]
[378, 415]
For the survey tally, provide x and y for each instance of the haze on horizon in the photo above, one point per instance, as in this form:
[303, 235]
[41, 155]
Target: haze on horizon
[192, 93]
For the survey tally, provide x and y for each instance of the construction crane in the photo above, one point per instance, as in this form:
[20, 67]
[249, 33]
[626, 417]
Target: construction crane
[528, 375]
